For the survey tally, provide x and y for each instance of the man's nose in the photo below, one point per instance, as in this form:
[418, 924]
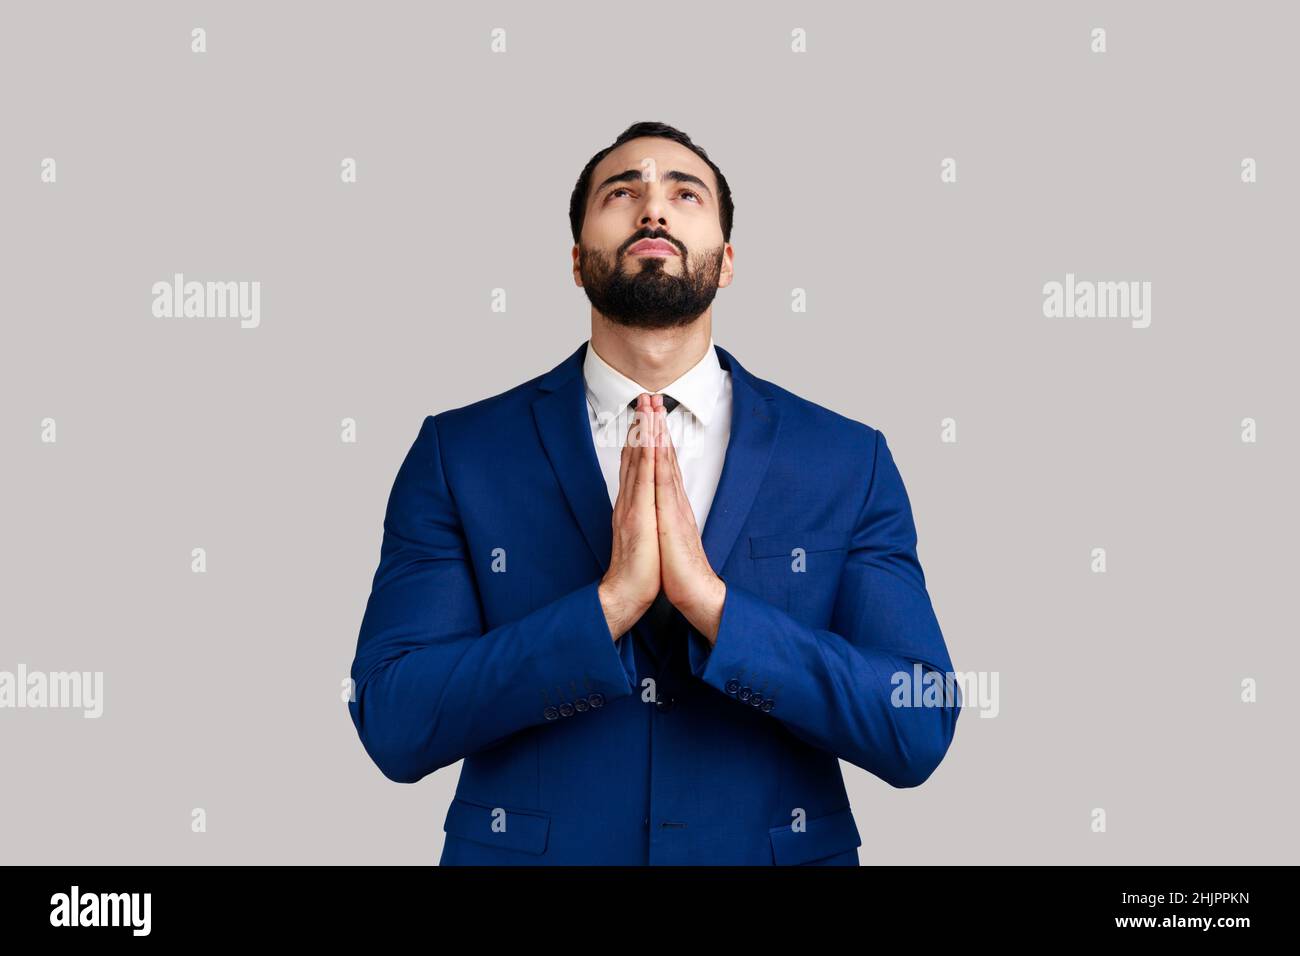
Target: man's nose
[653, 207]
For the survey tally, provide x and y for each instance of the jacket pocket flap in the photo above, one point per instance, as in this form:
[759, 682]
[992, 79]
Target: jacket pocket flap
[822, 539]
[523, 830]
[822, 837]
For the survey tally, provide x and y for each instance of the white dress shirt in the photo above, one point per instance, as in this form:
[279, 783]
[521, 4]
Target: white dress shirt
[700, 425]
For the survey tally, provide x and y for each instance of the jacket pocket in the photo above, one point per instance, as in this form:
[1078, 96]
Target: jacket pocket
[822, 836]
[784, 542]
[523, 830]
[808, 596]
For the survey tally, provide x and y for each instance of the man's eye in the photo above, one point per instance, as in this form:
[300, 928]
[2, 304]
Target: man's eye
[684, 192]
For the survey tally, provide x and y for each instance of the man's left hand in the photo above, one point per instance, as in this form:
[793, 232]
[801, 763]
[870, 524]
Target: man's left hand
[689, 581]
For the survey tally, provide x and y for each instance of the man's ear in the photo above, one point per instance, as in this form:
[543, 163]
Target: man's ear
[724, 275]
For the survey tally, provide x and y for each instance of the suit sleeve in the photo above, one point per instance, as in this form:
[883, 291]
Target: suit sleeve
[852, 690]
[431, 686]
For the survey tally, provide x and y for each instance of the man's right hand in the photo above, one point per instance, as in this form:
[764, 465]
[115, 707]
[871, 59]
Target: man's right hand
[632, 582]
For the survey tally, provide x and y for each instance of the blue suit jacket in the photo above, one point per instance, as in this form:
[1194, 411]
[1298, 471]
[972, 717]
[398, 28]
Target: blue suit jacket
[483, 638]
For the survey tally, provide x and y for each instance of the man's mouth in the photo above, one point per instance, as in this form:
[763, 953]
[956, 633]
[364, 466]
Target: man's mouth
[653, 247]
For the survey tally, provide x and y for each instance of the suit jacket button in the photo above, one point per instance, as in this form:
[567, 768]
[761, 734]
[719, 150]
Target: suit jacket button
[767, 705]
[566, 709]
[580, 705]
[596, 700]
[550, 713]
[756, 700]
[744, 693]
[733, 685]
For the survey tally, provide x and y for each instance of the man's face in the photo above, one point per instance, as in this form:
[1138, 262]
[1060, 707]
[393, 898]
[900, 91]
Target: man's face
[652, 191]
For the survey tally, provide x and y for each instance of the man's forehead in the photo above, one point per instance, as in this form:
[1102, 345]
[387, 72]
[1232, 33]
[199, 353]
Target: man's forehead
[652, 156]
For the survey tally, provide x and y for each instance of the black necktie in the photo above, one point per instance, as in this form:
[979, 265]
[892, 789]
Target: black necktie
[663, 629]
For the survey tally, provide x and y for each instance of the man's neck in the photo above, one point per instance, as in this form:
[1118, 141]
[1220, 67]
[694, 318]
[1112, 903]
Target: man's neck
[653, 358]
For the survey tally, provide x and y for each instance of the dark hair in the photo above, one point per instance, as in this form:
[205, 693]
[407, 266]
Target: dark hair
[578, 201]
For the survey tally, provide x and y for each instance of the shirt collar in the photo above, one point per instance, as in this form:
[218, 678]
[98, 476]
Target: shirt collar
[697, 389]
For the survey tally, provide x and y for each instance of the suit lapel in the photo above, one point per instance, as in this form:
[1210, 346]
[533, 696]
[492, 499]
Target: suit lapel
[564, 425]
[755, 421]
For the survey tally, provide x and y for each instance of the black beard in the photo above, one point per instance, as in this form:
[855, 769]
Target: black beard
[650, 298]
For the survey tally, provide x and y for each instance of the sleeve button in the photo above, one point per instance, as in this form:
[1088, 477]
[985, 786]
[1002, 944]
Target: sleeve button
[550, 713]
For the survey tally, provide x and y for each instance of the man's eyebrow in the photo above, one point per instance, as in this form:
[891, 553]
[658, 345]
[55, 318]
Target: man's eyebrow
[634, 175]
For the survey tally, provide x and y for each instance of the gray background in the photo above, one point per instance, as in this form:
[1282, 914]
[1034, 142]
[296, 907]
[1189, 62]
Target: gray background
[223, 689]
